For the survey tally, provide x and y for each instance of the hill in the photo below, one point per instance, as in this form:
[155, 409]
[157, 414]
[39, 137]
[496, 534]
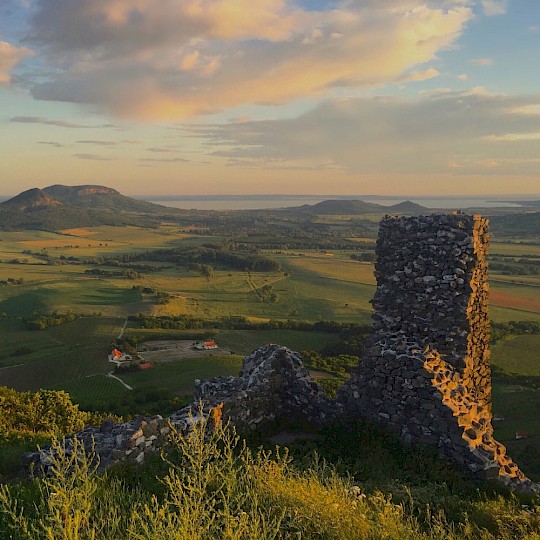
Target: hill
[339, 207]
[357, 207]
[104, 198]
[408, 207]
[63, 207]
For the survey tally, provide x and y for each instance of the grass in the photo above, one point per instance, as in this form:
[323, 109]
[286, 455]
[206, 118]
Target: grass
[334, 266]
[95, 391]
[72, 352]
[518, 354]
[212, 486]
[177, 377]
[519, 408]
[515, 249]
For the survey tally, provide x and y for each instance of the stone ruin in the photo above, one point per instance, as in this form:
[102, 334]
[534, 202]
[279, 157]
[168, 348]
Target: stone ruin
[424, 372]
[425, 369]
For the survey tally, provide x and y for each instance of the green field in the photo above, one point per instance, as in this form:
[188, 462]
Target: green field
[518, 355]
[313, 284]
[59, 355]
[178, 377]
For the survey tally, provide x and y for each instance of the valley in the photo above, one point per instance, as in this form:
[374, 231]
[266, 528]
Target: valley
[244, 278]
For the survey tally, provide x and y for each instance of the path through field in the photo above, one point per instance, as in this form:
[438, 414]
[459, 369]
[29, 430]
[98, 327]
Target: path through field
[122, 330]
[110, 374]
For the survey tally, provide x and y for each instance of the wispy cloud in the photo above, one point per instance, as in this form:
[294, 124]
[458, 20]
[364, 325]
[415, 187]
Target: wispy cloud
[481, 61]
[164, 160]
[46, 121]
[494, 7]
[94, 157]
[165, 149]
[98, 143]
[179, 58]
[51, 143]
[390, 135]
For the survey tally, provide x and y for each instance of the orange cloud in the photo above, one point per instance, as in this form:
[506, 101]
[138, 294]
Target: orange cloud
[9, 57]
[179, 58]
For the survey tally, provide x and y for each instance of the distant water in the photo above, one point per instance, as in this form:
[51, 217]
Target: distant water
[252, 202]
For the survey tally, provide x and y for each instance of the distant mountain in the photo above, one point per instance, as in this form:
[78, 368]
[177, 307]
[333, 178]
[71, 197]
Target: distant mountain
[337, 207]
[357, 207]
[31, 201]
[408, 207]
[104, 198]
[64, 207]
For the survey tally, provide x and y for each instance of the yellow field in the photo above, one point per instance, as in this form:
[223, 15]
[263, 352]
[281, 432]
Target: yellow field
[335, 267]
[515, 249]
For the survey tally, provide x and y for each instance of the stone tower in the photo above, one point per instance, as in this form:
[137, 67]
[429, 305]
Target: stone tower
[425, 370]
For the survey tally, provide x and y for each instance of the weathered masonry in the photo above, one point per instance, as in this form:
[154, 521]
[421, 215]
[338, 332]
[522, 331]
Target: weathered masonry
[424, 373]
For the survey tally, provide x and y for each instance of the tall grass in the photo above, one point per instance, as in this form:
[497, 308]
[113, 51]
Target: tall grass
[211, 485]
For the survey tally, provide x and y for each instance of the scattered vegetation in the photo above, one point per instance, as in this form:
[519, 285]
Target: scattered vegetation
[212, 485]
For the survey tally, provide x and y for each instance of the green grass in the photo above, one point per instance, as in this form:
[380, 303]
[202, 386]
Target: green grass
[518, 354]
[72, 352]
[499, 314]
[365, 487]
[94, 392]
[519, 408]
[514, 249]
[177, 377]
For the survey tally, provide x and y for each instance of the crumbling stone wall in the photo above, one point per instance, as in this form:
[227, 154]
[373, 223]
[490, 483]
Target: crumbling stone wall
[273, 385]
[425, 370]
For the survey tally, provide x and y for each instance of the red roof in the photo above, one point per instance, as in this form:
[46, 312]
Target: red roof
[146, 365]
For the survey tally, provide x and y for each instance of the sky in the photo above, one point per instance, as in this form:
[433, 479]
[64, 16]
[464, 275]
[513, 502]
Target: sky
[202, 97]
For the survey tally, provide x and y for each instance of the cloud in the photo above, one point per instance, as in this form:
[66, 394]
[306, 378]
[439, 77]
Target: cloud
[46, 121]
[10, 56]
[494, 7]
[98, 143]
[93, 157]
[51, 143]
[481, 61]
[164, 160]
[463, 77]
[178, 58]
[167, 149]
[419, 76]
[428, 134]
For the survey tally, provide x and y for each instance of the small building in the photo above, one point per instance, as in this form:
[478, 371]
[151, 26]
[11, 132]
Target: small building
[521, 435]
[119, 358]
[146, 365]
[206, 345]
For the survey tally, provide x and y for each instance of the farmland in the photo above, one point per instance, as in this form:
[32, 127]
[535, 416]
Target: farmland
[106, 274]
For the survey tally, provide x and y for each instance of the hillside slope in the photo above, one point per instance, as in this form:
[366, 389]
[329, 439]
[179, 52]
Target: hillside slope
[62, 207]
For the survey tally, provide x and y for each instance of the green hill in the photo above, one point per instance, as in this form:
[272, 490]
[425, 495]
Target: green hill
[408, 207]
[104, 198]
[62, 207]
[339, 207]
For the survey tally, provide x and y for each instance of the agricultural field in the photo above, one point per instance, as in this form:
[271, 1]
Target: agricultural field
[45, 271]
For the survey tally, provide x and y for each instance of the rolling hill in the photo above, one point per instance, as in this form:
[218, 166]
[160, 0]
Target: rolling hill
[63, 207]
[357, 207]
